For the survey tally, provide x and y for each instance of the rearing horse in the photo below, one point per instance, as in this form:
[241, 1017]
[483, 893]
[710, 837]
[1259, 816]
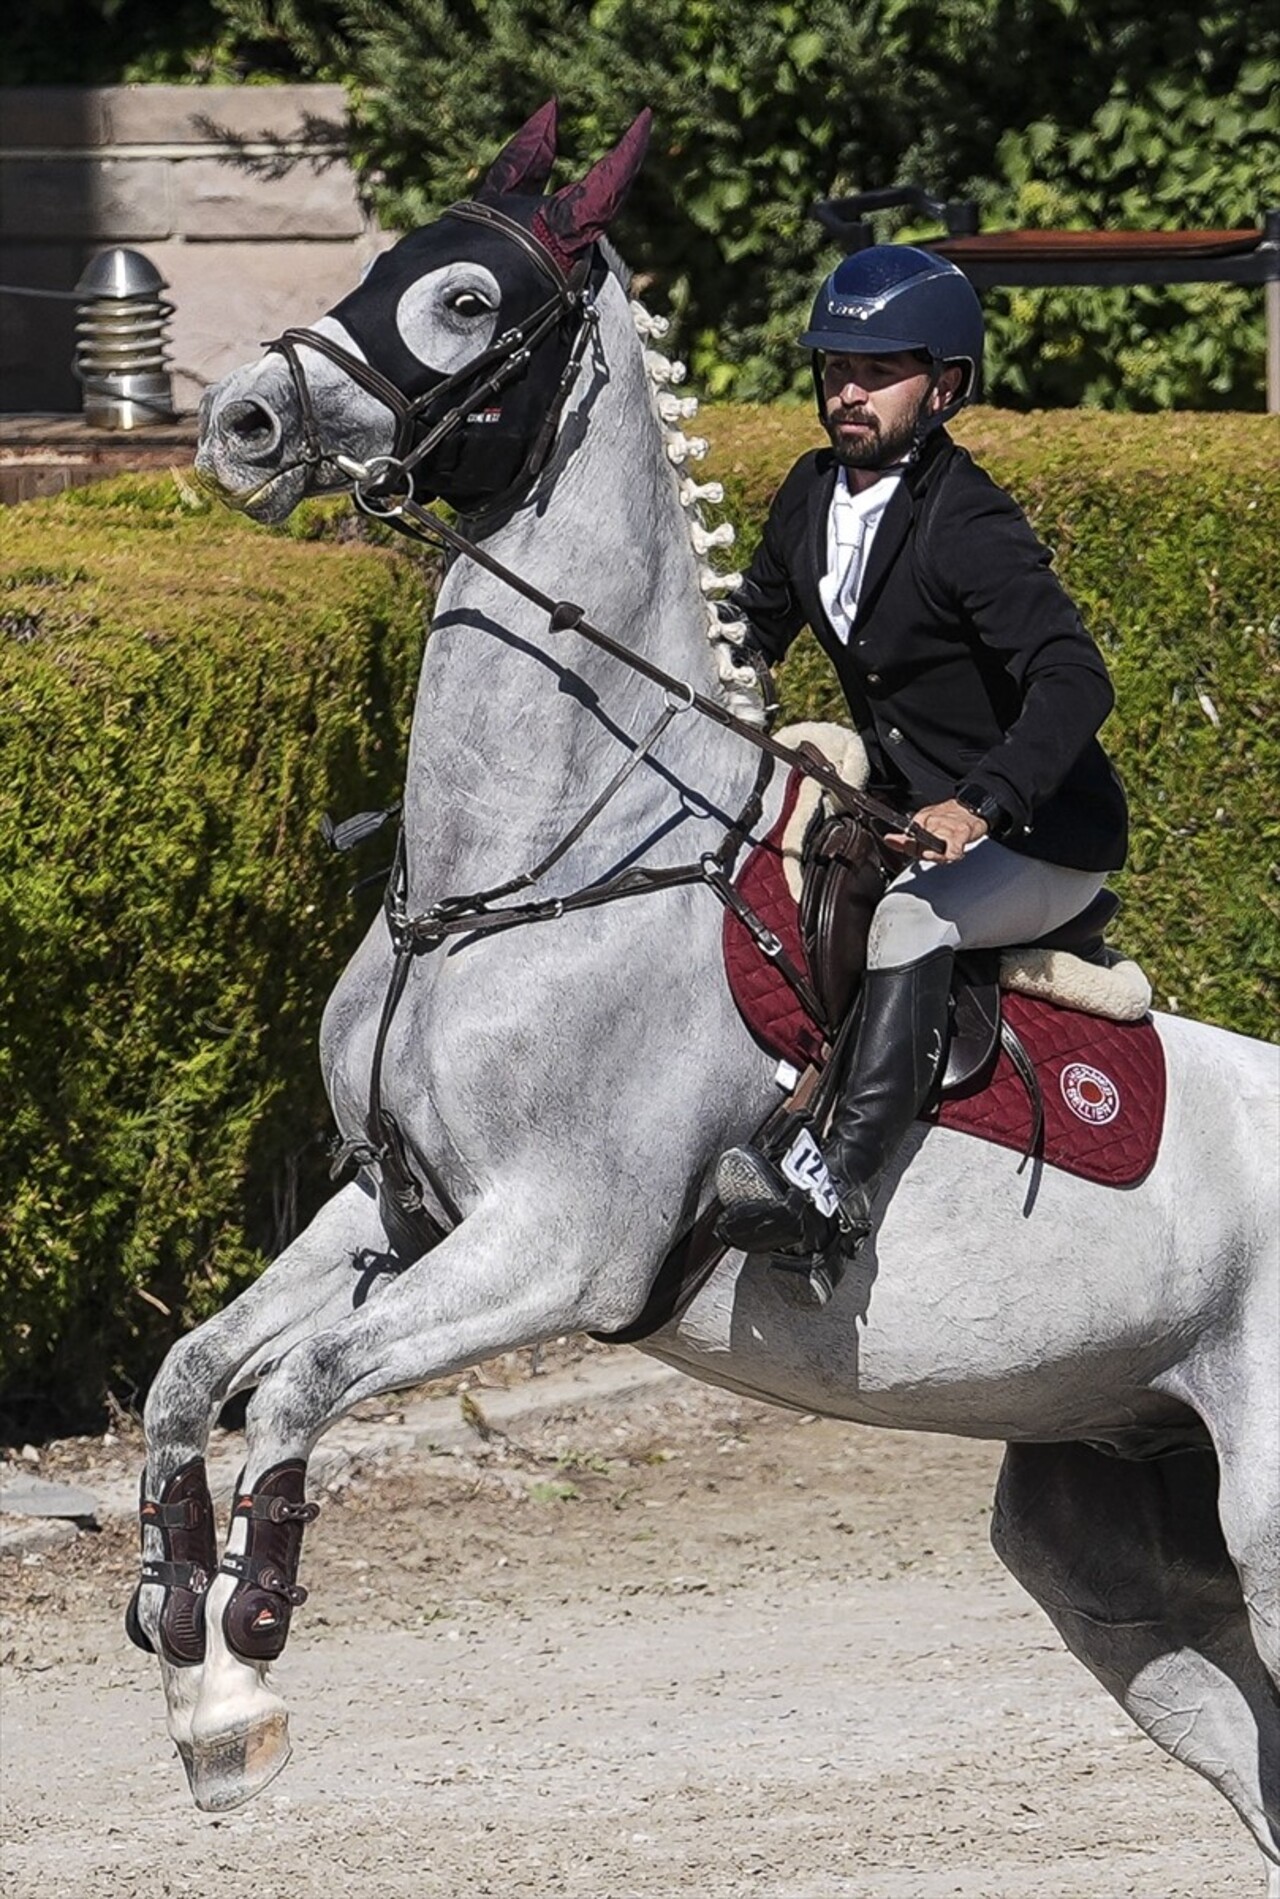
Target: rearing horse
[556, 1094]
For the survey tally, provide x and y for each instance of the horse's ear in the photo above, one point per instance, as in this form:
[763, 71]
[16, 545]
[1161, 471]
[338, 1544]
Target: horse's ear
[524, 163]
[577, 215]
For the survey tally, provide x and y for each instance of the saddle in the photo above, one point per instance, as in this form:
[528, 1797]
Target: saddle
[844, 872]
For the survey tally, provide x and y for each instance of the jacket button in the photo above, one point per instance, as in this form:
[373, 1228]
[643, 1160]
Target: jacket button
[873, 679]
[893, 735]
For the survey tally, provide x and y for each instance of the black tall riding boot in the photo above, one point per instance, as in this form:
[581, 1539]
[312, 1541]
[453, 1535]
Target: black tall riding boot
[899, 1044]
[901, 1037]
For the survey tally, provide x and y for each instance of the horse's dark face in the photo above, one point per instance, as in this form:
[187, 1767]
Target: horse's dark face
[434, 320]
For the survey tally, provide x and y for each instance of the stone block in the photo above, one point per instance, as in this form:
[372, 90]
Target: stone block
[40, 118]
[20, 1536]
[203, 115]
[229, 298]
[292, 196]
[38, 334]
[109, 200]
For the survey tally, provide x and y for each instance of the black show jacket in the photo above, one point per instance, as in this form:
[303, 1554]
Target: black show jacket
[967, 663]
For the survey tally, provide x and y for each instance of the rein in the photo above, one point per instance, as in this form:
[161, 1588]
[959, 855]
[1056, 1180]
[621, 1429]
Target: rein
[370, 482]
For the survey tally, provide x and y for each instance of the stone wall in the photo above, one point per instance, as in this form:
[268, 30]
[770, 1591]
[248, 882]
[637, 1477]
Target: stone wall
[241, 196]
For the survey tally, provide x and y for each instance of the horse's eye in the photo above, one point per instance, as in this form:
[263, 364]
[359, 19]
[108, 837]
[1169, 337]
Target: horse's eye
[468, 303]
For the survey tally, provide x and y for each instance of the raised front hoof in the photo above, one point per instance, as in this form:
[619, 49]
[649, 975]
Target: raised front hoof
[229, 1769]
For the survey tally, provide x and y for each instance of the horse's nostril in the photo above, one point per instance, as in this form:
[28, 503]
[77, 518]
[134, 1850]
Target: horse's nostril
[252, 427]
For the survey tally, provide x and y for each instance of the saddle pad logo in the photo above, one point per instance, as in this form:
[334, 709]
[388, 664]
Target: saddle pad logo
[1090, 1095]
[805, 1168]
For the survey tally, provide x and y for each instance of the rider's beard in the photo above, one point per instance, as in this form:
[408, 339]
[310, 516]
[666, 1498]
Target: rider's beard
[883, 443]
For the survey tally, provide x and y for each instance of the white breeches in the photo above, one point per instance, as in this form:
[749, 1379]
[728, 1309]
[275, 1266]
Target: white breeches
[988, 898]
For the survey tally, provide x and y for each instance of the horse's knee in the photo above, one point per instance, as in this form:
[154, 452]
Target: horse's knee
[186, 1391]
[905, 929]
[304, 1388]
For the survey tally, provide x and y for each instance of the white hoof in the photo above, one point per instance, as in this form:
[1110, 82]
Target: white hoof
[225, 1770]
[181, 1694]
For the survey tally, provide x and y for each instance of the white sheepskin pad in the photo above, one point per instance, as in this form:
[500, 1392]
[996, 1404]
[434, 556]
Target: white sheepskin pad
[1119, 991]
[843, 750]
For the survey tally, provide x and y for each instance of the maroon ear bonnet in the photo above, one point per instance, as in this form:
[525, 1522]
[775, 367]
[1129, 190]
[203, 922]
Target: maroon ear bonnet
[575, 217]
[524, 163]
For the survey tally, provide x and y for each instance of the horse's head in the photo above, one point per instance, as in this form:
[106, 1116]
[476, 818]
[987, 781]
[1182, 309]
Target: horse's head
[453, 353]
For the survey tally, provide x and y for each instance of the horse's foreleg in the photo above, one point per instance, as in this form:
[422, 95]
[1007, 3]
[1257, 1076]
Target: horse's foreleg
[329, 1269]
[1129, 1562]
[490, 1287]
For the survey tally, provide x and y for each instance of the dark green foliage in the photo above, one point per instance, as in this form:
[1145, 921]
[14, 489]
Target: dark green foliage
[1051, 113]
[113, 42]
[181, 696]
[1167, 532]
[1184, 134]
[1077, 113]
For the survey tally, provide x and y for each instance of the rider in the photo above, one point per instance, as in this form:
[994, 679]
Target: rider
[972, 681]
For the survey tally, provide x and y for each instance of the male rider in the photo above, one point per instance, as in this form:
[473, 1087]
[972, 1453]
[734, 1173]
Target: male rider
[972, 681]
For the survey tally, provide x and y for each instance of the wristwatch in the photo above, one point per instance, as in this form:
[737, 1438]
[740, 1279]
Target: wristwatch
[993, 814]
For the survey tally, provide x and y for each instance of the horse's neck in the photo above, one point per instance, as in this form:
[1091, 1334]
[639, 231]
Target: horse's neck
[517, 728]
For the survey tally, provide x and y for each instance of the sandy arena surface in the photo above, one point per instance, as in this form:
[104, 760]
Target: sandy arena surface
[635, 1645]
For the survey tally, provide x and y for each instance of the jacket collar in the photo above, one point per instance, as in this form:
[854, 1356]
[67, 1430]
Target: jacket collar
[894, 522]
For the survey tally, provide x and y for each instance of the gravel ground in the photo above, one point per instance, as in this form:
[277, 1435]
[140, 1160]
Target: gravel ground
[613, 1634]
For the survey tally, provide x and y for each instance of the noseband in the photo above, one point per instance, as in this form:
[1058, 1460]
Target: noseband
[424, 422]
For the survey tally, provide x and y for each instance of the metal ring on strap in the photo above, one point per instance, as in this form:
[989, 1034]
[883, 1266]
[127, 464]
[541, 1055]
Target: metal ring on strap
[394, 504]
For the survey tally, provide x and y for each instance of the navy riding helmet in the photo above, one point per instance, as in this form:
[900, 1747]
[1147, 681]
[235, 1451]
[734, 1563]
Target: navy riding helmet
[893, 297]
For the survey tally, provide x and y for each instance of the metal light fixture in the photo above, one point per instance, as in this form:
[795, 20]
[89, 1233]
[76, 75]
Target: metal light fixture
[121, 345]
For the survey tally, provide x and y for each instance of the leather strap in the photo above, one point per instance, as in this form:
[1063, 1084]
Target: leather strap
[1014, 1048]
[265, 1574]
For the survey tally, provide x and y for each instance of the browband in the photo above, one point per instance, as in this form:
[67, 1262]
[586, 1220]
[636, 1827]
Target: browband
[477, 213]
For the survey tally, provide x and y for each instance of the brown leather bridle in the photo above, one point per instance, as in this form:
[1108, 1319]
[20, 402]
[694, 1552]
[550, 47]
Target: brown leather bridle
[424, 422]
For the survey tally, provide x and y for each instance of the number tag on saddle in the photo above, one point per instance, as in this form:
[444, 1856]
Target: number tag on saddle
[804, 1167]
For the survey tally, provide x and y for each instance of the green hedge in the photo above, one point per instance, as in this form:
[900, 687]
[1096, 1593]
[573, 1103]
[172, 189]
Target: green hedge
[1166, 529]
[182, 693]
[181, 696]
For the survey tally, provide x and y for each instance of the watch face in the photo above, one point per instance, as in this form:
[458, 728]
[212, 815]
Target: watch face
[983, 806]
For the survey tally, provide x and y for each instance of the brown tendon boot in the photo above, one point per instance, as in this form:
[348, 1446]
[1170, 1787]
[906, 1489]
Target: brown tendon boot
[256, 1619]
[183, 1514]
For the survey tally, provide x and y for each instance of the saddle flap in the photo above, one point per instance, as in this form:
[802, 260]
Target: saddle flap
[844, 877]
[974, 1041]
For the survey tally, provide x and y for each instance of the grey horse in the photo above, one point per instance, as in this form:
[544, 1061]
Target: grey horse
[558, 1093]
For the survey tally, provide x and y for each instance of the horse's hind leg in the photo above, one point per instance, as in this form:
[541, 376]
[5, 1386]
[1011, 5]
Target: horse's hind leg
[1128, 1560]
[330, 1269]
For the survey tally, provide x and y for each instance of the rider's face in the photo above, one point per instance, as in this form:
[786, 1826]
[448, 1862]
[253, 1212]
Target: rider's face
[871, 404]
